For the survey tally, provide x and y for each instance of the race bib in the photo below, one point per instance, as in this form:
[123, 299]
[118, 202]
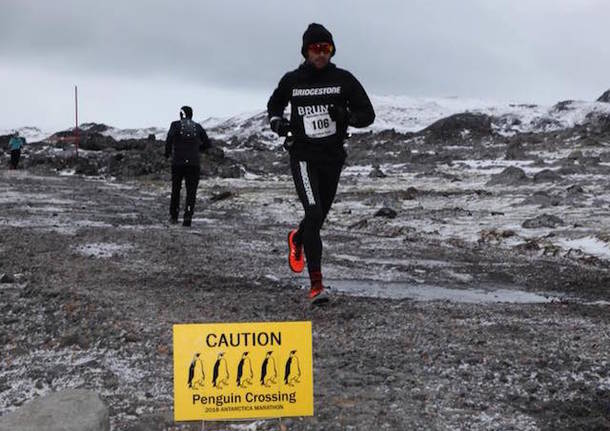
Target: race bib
[319, 125]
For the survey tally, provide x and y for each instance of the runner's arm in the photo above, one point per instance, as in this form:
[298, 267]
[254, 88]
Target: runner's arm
[205, 141]
[361, 110]
[169, 140]
[279, 99]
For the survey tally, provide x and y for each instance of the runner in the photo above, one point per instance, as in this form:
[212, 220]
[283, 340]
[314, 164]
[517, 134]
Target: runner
[185, 140]
[15, 144]
[324, 101]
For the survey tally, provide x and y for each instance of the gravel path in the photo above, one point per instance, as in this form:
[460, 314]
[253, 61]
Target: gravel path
[95, 279]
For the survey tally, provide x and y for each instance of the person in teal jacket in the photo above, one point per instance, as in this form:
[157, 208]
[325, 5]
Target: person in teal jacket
[15, 144]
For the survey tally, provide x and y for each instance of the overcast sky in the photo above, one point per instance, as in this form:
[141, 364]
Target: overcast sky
[137, 61]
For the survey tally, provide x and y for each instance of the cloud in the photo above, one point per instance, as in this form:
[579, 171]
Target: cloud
[543, 50]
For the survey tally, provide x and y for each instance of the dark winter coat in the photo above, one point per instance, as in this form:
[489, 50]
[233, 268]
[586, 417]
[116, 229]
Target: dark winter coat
[310, 93]
[185, 140]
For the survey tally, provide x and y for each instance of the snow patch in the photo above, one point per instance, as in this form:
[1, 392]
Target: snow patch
[589, 245]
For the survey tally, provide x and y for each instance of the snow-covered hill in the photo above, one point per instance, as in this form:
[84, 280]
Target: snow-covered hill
[30, 133]
[401, 113]
[120, 134]
[409, 114]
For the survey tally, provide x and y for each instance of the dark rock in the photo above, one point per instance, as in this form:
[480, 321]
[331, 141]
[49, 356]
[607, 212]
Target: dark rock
[410, 194]
[546, 175]
[530, 245]
[96, 142]
[151, 137]
[376, 172]
[575, 155]
[7, 278]
[386, 212]
[515, 152]
[546, 123]
[509, 176]
[456, 125]
[111, 380]
[74, 339]
[590, 161]
[220, 195]
[544, 220]
[215, 151]
[132, 338]
[604, 97]
[575, 190]
[542, 199]
[572, 169]
[359, 224]
[233, 171]
[565, 105]
[85, 166]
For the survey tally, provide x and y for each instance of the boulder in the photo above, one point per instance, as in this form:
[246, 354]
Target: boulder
[69, 410]
[544, 220]
[509, 176]
[7, 278]
[456, 125]
[376, 172]
[542, 199]
[546, 175]
[386, 212]
[575, 189]
[410, 194]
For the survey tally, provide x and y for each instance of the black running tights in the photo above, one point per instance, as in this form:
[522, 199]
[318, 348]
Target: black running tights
[316, 185]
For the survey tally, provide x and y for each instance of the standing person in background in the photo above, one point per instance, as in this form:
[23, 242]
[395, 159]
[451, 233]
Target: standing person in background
[324, 101]
[186, 139]
[15, 144]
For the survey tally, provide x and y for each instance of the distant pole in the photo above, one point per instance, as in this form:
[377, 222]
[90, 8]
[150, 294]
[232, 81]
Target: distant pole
[76, 118]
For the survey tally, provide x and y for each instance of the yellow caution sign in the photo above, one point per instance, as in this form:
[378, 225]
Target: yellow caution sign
[242, 370]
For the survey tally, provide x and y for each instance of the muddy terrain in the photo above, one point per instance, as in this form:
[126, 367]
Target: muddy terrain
[469, 270]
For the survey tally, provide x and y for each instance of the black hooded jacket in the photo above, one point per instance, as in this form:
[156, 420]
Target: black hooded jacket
[310, 93]
[185, 140]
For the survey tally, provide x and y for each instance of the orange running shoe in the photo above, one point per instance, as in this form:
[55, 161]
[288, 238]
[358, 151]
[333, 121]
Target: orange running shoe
[318, 294]
[296, 259]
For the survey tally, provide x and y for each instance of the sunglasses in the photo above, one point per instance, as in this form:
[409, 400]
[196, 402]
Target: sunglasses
[321, 48]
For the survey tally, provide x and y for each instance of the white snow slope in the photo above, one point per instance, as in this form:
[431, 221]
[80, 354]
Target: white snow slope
[401, 113]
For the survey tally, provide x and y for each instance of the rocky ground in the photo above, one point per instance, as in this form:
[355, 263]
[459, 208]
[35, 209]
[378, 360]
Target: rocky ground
[94, 278]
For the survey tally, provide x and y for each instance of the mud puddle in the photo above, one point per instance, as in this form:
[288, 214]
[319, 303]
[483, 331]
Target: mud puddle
[428, 292]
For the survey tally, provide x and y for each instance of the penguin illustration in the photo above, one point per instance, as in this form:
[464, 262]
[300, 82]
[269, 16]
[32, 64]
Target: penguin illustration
[216, 381]
[292, 371]
[196, 373]
[266, 372]
[244, 381]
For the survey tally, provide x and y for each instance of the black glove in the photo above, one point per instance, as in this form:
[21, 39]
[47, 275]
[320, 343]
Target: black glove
[288, 141]
[338, 114]
[281, 126]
